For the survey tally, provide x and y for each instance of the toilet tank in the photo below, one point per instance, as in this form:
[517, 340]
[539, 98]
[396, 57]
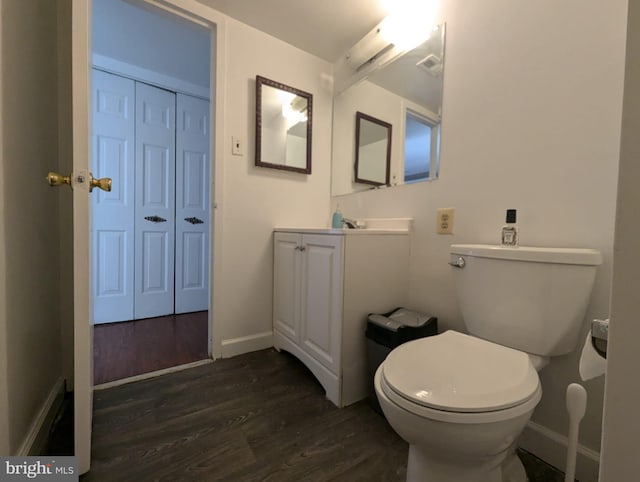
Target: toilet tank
[531, 299]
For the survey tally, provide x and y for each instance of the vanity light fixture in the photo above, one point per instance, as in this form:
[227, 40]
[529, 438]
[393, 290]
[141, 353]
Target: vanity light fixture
[293, 116]
[409, 22]
[293, 107]
[368, 49]
[284, 97]
[406, 26]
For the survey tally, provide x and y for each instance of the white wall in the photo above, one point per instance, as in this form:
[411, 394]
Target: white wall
[296, 152]
[531, 120]
[149, 38]
[274, 140]
[372, 161]
[30, 312]
[257, 199]
[620, 461]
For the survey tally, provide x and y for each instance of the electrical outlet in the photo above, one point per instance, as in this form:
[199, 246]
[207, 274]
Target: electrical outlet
[237, 147]
[445, 220]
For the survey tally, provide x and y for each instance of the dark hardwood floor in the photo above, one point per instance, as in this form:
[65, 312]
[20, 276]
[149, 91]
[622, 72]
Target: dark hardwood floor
[129, 348]
[259, 416]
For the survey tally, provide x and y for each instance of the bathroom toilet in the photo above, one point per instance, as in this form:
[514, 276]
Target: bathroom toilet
[461, 401]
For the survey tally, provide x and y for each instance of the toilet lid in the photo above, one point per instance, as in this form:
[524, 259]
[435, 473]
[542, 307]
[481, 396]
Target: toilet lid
[460, 373]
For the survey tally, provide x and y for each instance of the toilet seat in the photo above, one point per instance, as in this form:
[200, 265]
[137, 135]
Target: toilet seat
[459, 377]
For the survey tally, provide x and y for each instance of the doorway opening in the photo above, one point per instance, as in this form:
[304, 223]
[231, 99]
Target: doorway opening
[151, 107]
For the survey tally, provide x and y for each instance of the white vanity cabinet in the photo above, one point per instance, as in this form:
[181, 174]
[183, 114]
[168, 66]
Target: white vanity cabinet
[326, 282]
[308, 294]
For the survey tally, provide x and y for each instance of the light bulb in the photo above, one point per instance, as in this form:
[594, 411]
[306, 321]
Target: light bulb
[409, 22]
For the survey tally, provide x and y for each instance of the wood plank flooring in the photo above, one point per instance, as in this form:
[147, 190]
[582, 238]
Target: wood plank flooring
[129, 348]
[256, 417]
[260, 416]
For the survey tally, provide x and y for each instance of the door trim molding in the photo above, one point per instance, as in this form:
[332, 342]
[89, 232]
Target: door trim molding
[4, 388]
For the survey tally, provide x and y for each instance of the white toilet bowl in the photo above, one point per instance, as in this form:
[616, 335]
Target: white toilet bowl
[461, 403]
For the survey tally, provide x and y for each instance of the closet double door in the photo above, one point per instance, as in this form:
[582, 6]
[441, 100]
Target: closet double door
[151, 232]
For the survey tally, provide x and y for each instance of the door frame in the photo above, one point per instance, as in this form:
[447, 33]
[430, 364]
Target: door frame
[81, 71]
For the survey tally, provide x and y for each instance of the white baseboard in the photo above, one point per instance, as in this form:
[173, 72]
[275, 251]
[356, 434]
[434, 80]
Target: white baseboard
[247, 344]
[38, 433]
[551, 447]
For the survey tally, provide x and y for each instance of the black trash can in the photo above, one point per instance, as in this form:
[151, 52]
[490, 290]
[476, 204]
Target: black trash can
[387, 331]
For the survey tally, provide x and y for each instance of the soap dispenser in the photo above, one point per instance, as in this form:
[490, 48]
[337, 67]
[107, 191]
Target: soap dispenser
[510, 230]
[336, 220]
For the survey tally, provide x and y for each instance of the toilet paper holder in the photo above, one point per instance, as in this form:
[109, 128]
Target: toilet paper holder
[600, 336]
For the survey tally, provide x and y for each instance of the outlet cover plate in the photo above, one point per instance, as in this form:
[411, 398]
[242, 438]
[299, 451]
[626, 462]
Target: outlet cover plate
[445, 219]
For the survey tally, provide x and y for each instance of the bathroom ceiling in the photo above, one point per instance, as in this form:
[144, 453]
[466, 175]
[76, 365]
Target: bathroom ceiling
[326, 28]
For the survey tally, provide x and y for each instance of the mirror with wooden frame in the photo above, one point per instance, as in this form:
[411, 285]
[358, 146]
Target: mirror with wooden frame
[373, 150]
[283, 126]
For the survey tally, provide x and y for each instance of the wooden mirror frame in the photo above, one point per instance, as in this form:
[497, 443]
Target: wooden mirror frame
[260, 81]
[362, 116]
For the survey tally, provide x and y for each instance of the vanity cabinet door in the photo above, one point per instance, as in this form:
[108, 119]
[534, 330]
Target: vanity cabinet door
[321, 316]
[287, 280]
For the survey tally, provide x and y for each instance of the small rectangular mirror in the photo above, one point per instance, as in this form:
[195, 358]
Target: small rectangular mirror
[373, 150]
[283, 126]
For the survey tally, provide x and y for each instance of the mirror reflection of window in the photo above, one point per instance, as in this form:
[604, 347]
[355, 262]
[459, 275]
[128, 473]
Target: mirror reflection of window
[421, 148]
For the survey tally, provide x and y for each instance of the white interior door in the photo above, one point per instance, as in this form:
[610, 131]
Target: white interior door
[192, 204]
[113, 109]
[155, 202]
[83, 330]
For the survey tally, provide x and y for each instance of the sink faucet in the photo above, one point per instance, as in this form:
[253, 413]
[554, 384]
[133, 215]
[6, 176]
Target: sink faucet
[351, 223]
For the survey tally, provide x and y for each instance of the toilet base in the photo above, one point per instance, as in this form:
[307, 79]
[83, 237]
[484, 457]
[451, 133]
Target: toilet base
[420, 468]
[513, 470]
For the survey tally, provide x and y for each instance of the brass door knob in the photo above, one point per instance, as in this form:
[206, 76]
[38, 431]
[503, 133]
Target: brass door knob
[55, 179]
[103, 183]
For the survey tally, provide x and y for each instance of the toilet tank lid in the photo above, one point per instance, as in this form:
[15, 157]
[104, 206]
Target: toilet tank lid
[581, 256]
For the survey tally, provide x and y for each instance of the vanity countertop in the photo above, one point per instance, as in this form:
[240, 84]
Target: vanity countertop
[374, 226]
[342, 232]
